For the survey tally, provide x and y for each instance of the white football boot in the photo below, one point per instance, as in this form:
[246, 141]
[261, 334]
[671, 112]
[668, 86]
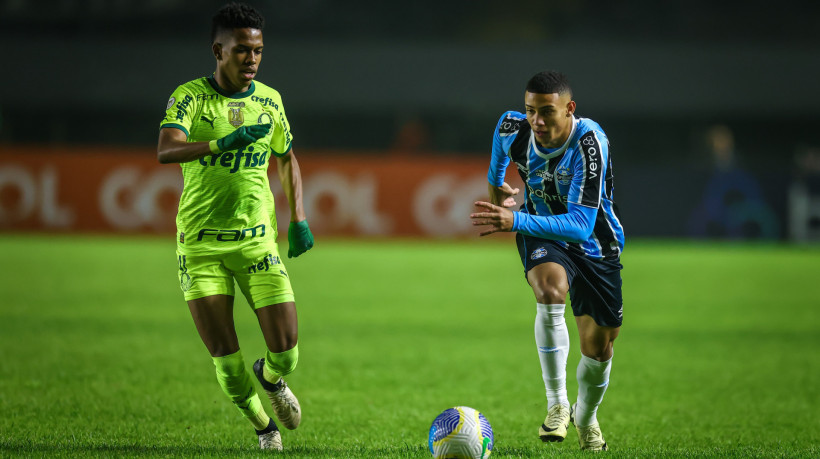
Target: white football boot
[590, 438]
[555, 425]
[284, 403]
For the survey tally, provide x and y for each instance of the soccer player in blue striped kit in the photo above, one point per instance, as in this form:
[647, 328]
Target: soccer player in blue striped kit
[570, 240]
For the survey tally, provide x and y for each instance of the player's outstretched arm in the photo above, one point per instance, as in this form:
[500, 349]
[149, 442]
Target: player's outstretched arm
[574, 226]
[173, 145]
[300, 239]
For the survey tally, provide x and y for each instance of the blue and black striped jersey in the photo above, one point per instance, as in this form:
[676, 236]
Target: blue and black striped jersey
[579, 173]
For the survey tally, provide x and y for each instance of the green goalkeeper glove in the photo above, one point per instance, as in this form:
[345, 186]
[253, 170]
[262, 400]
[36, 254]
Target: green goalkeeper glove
[300, 240]
[239, 138]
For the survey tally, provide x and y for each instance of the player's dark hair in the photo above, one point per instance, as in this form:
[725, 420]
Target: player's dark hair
[236, 15]
[549, 82]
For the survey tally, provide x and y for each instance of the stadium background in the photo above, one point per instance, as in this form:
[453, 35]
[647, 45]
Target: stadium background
[379, 86]
[392, 107]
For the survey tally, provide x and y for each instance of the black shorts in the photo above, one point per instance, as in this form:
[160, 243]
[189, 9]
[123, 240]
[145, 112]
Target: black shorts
[594, 285]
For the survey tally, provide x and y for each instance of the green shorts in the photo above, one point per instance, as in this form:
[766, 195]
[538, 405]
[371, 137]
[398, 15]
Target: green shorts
[258, 270]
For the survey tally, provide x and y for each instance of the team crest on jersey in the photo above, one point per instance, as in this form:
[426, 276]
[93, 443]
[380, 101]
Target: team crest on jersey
[185, 282]
[235, 116]
[171, 102]
[264, 118]
[563, 176]
[540, 252]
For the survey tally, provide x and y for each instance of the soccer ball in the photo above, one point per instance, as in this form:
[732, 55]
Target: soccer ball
[460, 433]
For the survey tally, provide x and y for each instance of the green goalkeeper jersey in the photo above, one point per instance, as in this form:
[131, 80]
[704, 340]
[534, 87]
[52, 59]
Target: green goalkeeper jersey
[226, 201]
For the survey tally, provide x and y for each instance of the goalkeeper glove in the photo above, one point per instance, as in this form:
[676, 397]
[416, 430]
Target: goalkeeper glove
[300, 240]
[239, 138]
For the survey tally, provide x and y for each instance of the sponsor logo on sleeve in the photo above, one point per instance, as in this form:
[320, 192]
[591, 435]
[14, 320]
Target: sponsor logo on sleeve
[182, 107]
[592, 153]
[171, 102]
[509, 126]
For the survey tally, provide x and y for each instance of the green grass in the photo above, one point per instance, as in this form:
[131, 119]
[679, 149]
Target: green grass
[718, 355]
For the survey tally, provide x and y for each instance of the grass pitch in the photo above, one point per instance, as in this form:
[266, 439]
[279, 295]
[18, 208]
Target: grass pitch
[718, 355]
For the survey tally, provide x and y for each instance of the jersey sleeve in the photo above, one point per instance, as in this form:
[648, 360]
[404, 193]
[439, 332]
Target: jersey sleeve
[503, 137]
[590, 169]
[281, 138]
[180, 110]
[574, 226]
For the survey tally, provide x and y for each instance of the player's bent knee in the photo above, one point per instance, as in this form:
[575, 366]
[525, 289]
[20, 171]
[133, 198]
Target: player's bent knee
[282, 363]
[549, 294]
[597, 351]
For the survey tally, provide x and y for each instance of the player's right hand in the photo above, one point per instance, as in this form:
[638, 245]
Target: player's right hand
[503, 195]
[497, 218]
[243, 137]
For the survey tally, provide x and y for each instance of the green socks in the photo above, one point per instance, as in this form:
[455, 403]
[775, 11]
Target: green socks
[279, 364]
[237, 385]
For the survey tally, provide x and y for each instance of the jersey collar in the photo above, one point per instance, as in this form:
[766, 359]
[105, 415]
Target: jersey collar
[539, 150]
[235, 95]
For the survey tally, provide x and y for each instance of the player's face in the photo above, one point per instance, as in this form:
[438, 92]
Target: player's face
[550, 117]
[238, 54]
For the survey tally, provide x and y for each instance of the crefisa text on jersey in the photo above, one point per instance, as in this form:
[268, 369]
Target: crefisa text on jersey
[264, 265]
[265, 101]
[182, 107]
[234, 160]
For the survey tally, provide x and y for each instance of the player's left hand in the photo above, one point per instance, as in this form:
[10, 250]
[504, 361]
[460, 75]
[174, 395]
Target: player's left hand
[496, 217]
[300, 239]
[503, 195]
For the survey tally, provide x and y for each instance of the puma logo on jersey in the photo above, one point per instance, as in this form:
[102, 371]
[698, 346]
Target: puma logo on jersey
[209, 121]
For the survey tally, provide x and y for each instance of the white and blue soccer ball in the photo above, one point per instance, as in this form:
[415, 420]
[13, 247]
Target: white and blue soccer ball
[460, 433]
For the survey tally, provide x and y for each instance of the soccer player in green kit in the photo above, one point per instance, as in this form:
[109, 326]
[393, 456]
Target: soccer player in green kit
[224, 130]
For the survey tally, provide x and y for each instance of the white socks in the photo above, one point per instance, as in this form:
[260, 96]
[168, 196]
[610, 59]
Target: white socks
[552, 339]
[593, 379]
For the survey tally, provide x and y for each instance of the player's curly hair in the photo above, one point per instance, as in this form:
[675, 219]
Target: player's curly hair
[236, 15]
[549, 82]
